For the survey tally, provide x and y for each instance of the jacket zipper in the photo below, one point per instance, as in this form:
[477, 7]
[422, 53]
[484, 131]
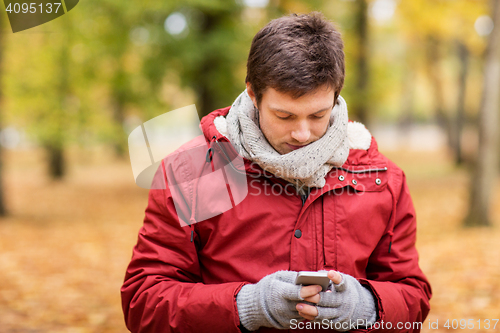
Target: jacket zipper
[304, 197]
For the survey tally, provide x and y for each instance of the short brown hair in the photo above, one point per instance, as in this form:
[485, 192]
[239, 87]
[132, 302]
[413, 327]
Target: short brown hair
[296, 54]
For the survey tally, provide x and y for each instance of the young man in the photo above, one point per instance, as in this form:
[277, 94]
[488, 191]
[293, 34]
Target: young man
[320, 197]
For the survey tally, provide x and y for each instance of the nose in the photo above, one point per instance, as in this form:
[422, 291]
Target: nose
[302, 133]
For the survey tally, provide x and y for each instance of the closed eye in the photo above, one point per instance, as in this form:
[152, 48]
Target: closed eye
[319, 115]
[282, 115]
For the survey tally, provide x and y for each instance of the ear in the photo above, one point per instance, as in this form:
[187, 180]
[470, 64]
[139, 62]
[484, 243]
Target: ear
[251, 94]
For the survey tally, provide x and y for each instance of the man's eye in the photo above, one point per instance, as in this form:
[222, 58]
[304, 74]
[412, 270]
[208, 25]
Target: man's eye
[319, 116]
[283, 116]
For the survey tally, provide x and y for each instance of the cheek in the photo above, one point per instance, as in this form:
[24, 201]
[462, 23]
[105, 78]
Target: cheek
[320, 128]
[280, 133]
[275, 134]
[272, 130]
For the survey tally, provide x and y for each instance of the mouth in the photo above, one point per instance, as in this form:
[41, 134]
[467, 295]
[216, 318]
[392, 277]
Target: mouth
[293, 147]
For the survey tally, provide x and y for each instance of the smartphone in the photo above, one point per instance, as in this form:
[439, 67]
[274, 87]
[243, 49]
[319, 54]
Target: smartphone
[306, 278]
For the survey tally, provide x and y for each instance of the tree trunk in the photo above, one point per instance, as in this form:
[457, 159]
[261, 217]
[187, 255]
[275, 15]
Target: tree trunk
[119, 93]
[484, 178]
[433, 57]
[407, 101]
[207, 68]
[55, 144]
[56, 161]
[361, 30]
[456, 142]
[120, 142]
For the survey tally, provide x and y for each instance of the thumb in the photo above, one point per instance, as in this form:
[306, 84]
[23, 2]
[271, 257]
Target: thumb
[335, 277]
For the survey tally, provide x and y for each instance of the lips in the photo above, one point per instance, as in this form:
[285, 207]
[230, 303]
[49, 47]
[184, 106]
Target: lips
[293, 147]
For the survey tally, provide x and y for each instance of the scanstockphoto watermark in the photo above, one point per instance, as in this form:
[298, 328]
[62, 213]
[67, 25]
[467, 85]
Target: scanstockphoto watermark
[464, 324]
[354, 325]
[339, 180]
[275, 189]
[304, 171]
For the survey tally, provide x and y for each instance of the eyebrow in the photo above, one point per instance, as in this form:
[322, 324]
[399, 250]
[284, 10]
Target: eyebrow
[292, 114]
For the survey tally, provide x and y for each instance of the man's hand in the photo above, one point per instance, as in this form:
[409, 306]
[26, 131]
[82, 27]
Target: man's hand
[272, 301]
[347, 301]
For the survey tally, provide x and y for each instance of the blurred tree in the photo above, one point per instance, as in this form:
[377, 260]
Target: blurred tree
[458, 123]
[39, 89]
[54, 143]
[485, 173]
[200, 43]
[407, 117]
[205, 74]
[102, 47]
[439, 26]
[116, 60]
[433, 59]
[360, 106]
[116, 48]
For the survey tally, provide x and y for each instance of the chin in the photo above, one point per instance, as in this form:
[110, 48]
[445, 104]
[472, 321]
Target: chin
[285, 151]
[282, 150]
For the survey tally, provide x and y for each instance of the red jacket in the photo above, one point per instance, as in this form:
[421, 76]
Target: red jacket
[362, 223]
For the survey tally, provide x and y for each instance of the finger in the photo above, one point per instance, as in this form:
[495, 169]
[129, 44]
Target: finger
[313, 299]
[308, 291]
[335, 277]
[330, 300]
[307, 311]
[306, 316]
[286, 276]
[328, 313]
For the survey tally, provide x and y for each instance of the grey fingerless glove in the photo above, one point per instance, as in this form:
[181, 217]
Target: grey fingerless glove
[270, 302]
[349, 303]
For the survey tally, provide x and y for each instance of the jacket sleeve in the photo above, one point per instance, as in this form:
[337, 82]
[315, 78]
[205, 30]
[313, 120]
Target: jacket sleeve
[393, 274]
[163, 289]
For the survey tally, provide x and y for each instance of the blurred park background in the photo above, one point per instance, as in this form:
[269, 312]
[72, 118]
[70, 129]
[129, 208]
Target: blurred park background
[423, 75]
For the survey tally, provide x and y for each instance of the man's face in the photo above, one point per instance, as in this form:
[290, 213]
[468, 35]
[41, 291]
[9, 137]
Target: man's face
[288, 123]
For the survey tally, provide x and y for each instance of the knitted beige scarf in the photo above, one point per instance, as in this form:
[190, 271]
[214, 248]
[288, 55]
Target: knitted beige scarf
[306, 166]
